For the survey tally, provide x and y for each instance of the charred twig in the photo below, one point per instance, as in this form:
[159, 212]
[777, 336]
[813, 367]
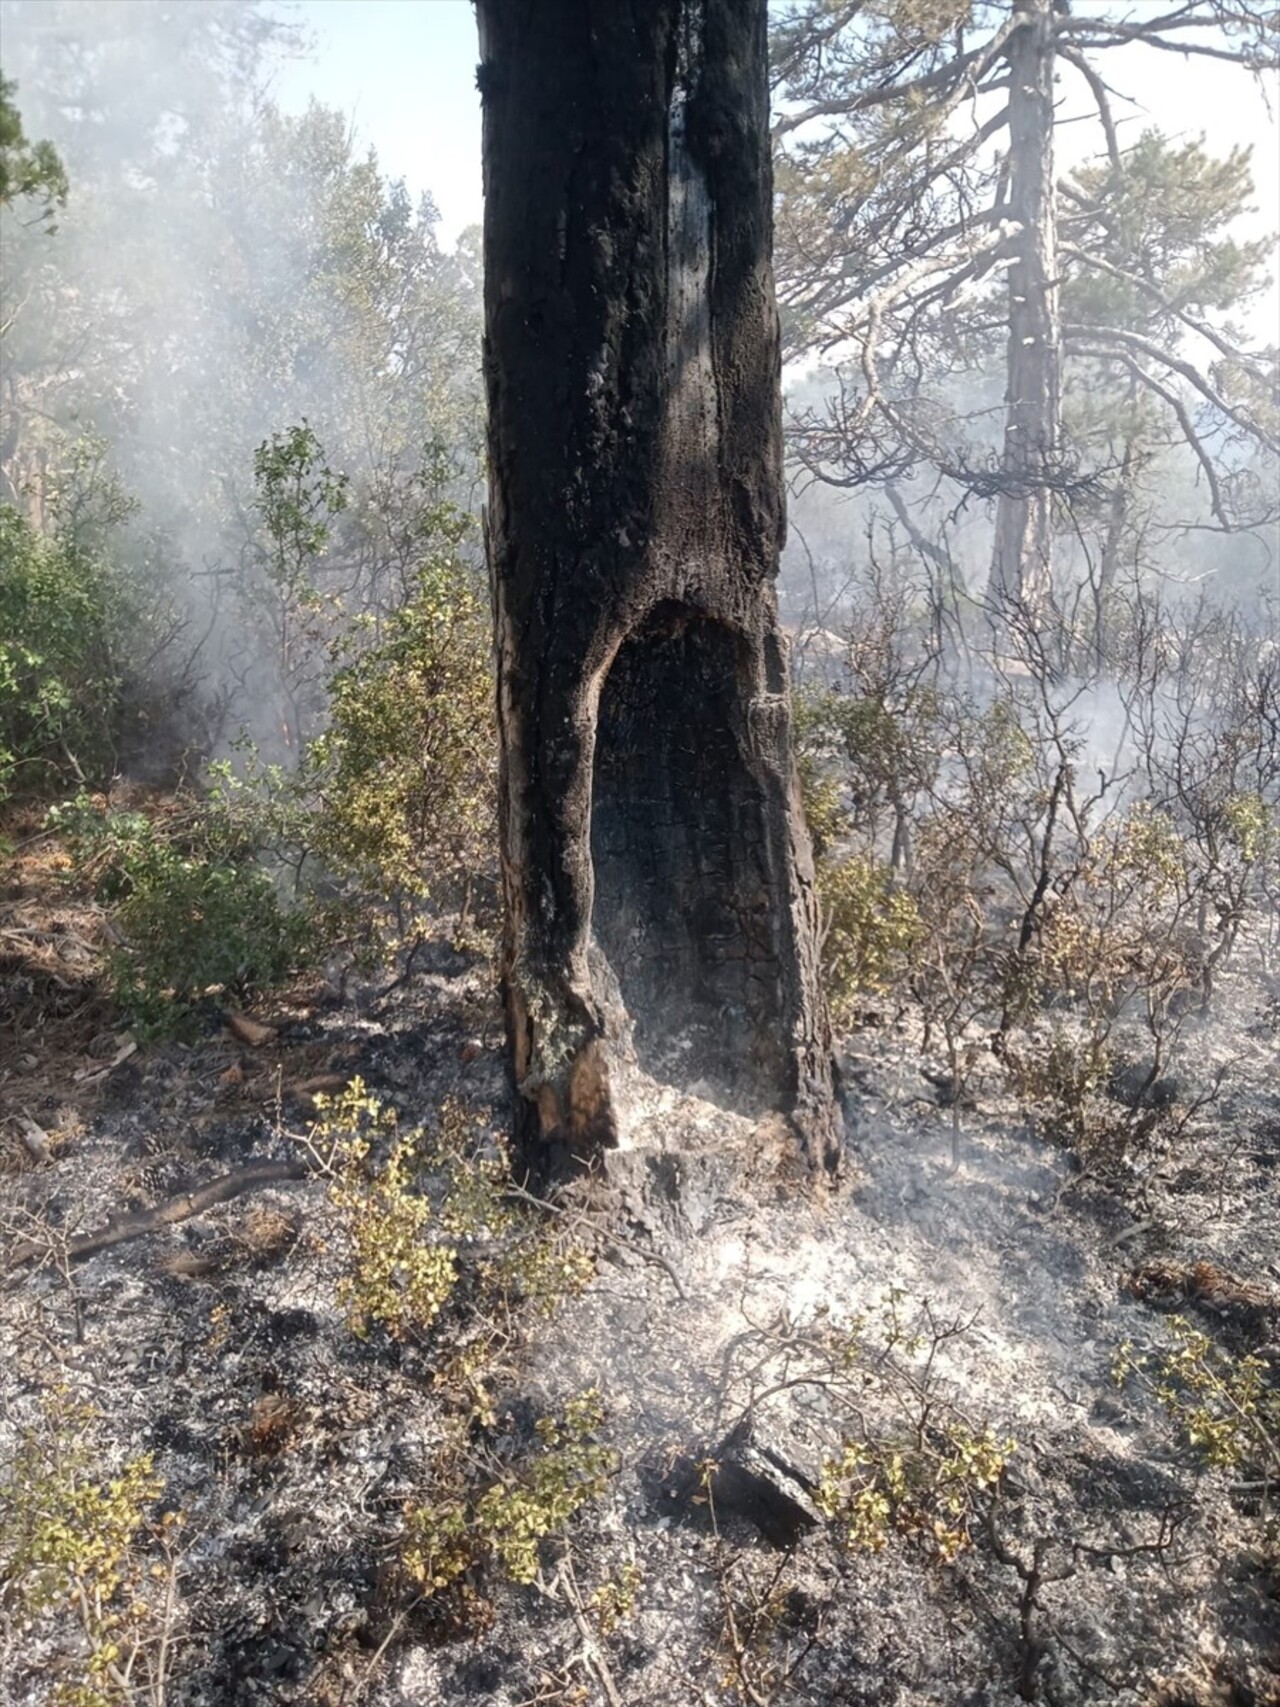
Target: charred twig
[122, 1228]
[1033, 1577]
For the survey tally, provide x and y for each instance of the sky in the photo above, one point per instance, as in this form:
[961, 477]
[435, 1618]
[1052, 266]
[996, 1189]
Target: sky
[404, 72]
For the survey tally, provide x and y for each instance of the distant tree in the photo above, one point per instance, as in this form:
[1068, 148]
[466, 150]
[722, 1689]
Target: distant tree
[139, 99]
[917, 166]
[1152, 281]
[27, 169]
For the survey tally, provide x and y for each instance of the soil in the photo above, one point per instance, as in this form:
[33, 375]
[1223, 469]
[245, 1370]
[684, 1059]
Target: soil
[1115, 1565]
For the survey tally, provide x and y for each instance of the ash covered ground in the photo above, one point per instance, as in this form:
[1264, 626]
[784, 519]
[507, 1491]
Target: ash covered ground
[732, 1320]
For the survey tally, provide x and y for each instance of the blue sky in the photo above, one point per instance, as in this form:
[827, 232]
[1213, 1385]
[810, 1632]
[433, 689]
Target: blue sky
[405, 72]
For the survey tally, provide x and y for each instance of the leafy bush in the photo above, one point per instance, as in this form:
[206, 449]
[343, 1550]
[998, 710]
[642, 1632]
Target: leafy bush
[388, 690]
[506, 1521]
[1053, 871]
[870, 927]
[1223, 1403]
[925, 1488]
[93, 660]
[870, 922]
[408, 1205]
[1063, 1081]
[74, 1540]
[394, 1275]
[62, 622]
[405, 770]
[195, 913]
[818, 747]
[425, 1218]
[911, 1464]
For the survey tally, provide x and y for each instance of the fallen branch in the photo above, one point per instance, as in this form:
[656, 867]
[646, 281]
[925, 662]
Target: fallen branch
[250, 1031]
[34, 1137]
[121, 1228]
[90, 1075]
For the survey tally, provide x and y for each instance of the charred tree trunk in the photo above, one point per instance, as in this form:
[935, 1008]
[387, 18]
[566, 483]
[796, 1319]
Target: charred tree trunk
[1021, 568]
[658, 882]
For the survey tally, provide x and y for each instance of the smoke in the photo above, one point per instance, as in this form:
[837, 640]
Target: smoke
[222, 273]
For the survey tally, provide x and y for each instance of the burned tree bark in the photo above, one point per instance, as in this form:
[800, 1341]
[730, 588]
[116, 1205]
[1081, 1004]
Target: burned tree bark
[1021, 566]
[657, 876]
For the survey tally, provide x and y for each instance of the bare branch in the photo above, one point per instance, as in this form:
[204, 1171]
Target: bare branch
[1101, 100]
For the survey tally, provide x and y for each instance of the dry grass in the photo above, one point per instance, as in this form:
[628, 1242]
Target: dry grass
[53, 1016]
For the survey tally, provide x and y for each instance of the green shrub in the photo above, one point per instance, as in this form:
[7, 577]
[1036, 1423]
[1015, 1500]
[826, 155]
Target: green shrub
[425, 1221]
[76, 1542]
[1221, 1401]
[818, 740]
[521, 1507]
[92, 658]
[927, 1487]
[429, 1209]
[1063, 1081]
[405, 771]
[870, 926]
[881, 744]
[395, 1275]
[62, 619]
[195, 913]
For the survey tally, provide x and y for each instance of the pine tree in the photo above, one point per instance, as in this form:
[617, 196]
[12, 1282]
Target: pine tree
[919, 186]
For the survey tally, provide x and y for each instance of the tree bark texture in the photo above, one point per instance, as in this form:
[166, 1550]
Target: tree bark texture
[1022, 563]
[657, 876]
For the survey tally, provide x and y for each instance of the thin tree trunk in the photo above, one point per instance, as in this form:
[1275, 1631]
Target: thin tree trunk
[657, 876]
[1109, 564]
[1021, 569]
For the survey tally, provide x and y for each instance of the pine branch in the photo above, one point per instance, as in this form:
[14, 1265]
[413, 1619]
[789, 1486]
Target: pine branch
[1104, 33]
[1201, 328]
[962, 73]
[1123, 340]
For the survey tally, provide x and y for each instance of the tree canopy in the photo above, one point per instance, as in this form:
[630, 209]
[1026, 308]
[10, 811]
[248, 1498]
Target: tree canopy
[27, 169]
[913, 237]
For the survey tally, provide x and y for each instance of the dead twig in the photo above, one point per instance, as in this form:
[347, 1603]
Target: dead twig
[590, 1643]
[120, 1229]
[732, 1634]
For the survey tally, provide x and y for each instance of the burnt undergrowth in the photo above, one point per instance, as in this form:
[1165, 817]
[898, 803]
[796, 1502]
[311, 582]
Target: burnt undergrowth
[308, 1397]
[516, 1472]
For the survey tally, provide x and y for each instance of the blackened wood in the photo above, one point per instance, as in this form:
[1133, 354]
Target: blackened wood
[657, 876]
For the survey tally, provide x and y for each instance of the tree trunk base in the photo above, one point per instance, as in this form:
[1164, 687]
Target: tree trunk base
[698, 982]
